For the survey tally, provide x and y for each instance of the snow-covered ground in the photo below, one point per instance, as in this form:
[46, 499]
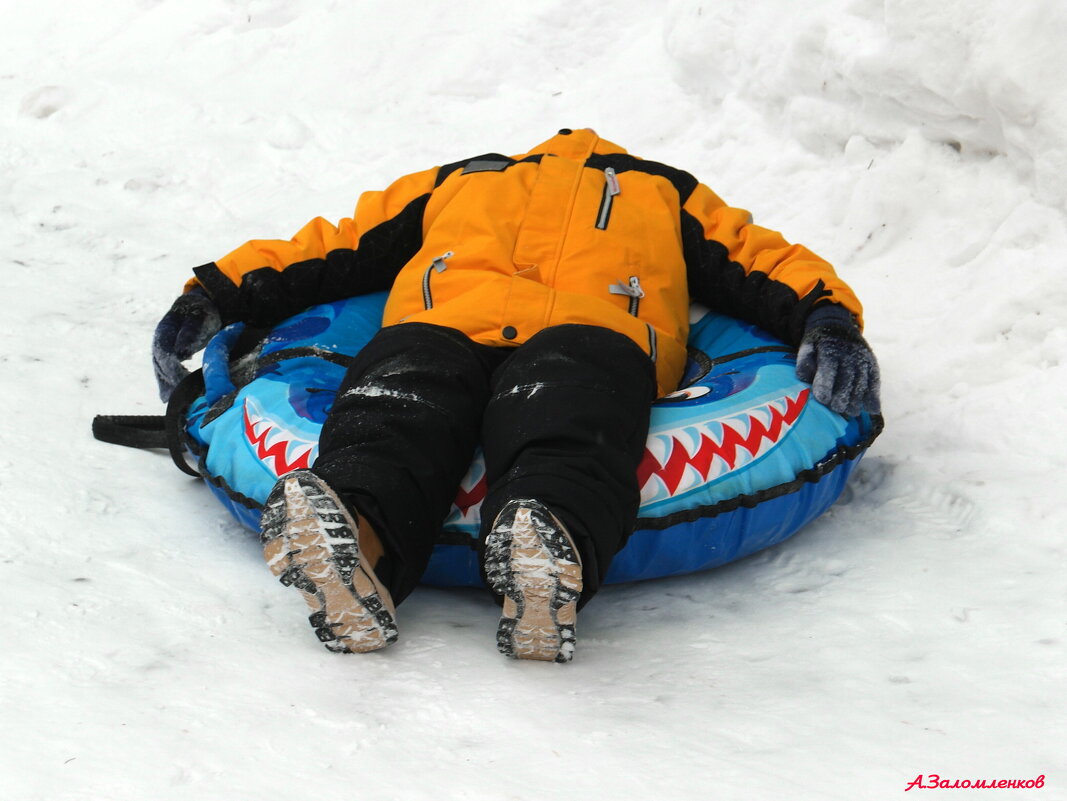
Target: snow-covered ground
[918, 628]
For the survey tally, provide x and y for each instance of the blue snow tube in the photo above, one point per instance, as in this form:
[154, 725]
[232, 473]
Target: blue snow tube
[737, 460]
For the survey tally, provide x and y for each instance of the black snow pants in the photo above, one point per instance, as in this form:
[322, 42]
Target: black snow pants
[562, 419]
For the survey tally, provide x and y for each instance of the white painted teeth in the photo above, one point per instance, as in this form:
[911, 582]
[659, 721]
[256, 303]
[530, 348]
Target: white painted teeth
[274, 437]
[763, 415]
[660, 447]
[690, 478]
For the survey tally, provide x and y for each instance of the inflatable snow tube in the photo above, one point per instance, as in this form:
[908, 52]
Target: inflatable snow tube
[737, 460]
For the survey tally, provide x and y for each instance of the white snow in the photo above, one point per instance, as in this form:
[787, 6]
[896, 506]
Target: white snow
[917, 629]
[373, 391]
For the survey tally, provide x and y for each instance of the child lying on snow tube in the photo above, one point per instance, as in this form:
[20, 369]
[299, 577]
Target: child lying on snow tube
[538, 304]
[736, 460]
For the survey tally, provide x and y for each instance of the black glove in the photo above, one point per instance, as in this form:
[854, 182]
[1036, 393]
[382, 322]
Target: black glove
[837, 361]
[185, 329]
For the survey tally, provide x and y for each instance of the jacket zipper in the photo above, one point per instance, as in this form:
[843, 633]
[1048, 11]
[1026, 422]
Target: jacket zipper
[437, 265]
[632, 290]
[611, 189]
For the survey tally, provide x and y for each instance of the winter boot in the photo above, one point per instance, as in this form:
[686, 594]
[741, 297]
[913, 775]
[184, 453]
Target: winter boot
[312, 542]
[531, 561]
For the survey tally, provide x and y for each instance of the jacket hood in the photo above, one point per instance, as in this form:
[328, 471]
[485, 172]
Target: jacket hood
[577, 144]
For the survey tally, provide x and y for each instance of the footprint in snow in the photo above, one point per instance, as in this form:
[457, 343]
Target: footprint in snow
[869, 476]
[933, 511]
[42, 103]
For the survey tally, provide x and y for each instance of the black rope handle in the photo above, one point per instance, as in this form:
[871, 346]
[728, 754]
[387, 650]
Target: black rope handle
[156, 430]
[190, 388]
[706, 364]
[131, 430]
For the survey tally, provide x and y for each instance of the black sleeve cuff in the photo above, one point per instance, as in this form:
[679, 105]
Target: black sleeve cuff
[827, 314]
[223, 292]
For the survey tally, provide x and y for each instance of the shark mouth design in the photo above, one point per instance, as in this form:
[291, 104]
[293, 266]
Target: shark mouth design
[277, 448]
[678, 460]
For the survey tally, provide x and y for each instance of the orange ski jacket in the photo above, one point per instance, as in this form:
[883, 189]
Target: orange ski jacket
[574, 231]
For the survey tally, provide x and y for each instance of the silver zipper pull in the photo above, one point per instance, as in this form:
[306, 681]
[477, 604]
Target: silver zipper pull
[631, 290]
[439, 263]
[613, 181]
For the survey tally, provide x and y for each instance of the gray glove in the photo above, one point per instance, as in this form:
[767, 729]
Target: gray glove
[837, 361]
[185, 329]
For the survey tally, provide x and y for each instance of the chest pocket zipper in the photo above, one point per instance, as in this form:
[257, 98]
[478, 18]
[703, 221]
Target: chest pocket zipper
[438, 265]
[611, 189]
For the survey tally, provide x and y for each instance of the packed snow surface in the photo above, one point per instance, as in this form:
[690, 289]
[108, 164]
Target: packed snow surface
[918, 628]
